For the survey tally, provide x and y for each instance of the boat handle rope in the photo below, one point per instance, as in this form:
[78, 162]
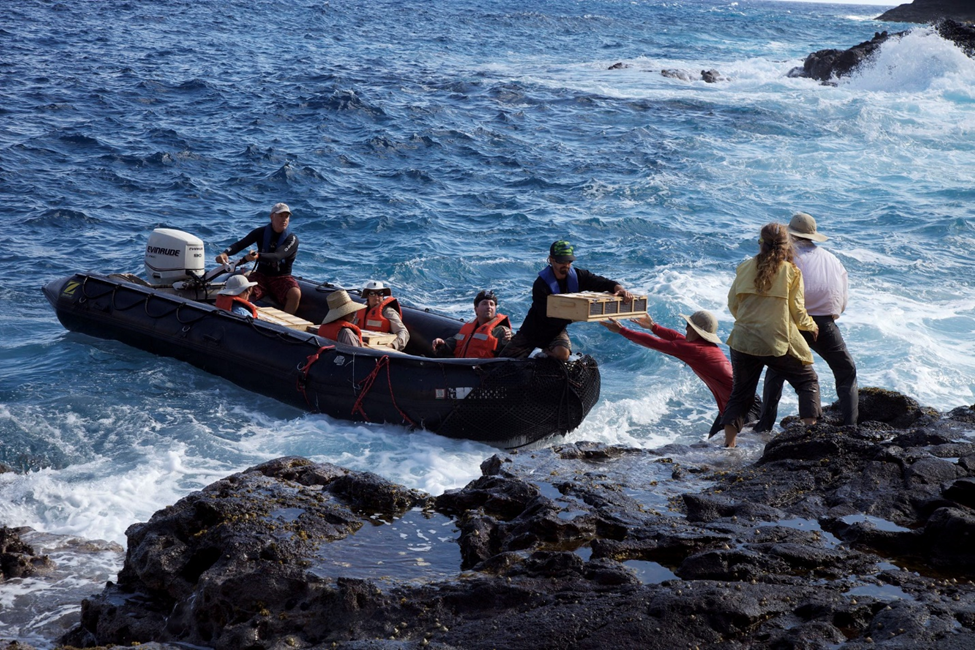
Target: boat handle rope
[304, 369]
[148, 299]
[203, 314]
[115, 307]
[367, 385]
[87, 296]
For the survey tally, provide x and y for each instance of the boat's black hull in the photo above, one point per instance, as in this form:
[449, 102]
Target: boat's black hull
[506, 403]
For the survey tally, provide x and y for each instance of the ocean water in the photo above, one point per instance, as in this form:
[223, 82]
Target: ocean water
[441, 146]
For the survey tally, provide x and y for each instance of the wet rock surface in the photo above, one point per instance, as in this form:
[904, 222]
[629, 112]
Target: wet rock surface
[17, 557]
[830, 64]
[929, 11]
[41, 598]
[709, 76]
[853, 537]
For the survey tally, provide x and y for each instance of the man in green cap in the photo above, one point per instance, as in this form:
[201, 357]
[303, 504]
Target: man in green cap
[541, 331]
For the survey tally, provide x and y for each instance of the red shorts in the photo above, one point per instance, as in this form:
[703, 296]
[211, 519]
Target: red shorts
[277, 286]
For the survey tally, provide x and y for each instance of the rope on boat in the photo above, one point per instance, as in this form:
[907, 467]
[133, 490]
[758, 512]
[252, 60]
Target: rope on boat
[367, 385]
[303, 371]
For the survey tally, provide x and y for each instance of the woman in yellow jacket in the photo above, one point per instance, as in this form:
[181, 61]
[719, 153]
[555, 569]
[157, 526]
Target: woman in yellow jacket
[767, 302]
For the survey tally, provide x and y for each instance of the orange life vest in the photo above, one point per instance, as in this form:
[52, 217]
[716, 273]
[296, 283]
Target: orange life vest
[478, 342]
[331, 330]
[227, 302]
[375, 321]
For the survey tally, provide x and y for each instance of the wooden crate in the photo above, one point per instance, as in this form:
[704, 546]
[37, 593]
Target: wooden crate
[272, 315]
[377, 340]
[587, 306]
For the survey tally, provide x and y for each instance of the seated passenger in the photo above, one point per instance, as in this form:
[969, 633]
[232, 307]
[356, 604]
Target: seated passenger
[235, 294]
[480, 338]
[383, 313]
[338, 325]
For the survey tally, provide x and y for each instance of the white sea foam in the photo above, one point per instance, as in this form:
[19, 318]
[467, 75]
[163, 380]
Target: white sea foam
[919, 61]
[419, 460]
[65, 502]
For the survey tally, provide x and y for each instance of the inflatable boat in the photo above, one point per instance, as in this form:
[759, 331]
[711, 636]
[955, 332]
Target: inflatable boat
[508, 403]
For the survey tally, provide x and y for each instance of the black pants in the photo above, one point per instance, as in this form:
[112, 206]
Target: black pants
[832, 348]
[754, 412]
[747, 371]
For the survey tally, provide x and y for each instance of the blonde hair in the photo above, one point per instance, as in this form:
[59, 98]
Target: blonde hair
[776, 248]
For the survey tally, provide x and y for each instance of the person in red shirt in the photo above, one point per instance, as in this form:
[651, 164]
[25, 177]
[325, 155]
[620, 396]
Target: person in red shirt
[698, 348]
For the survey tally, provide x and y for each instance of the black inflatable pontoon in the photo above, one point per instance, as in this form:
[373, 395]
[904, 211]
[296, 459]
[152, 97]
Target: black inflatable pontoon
[503, 402]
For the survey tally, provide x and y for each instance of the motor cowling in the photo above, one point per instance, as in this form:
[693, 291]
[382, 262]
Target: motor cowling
[173, 255]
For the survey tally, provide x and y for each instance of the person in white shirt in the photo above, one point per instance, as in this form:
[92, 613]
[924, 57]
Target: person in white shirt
[826, 291]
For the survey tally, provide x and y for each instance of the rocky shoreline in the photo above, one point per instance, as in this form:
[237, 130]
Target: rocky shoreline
[929, 11]
[830, 64]
[849, 537]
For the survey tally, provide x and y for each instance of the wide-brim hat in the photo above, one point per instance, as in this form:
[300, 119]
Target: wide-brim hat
[804, 226]
[376, 286]
[339, 305]
[236, 285]
[705, 324]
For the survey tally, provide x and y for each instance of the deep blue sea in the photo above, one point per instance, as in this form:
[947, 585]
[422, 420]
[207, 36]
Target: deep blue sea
[441, 146]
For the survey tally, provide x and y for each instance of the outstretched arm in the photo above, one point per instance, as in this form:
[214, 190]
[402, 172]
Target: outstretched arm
[612, 325]
[645, 321]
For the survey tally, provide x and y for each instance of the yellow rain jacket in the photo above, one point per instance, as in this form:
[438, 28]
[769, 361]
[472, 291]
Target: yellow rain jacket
[767, 324]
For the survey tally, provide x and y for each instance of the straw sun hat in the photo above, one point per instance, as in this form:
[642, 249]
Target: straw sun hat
[339, 305]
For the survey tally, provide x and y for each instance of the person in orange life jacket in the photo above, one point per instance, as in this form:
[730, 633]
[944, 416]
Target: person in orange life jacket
[541, 331]
[480, 338]
[277, 247]
[338, 323]
[383, 313]
[234, 296]
[698, 348]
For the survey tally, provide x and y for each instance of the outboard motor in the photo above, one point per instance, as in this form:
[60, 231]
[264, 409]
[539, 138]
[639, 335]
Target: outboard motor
[173, 255]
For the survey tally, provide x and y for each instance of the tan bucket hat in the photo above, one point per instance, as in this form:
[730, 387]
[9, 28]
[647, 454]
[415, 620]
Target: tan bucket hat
[705, 324]
[339, 304]
[804, 226]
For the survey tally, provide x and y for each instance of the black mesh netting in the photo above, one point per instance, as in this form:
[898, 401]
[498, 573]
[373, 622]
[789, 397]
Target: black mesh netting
[520, 403]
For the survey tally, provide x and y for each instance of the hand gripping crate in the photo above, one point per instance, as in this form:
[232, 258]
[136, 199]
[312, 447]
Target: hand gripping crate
[587, 306]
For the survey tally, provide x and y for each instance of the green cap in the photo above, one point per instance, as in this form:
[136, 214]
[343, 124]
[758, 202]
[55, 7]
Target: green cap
[561, 251]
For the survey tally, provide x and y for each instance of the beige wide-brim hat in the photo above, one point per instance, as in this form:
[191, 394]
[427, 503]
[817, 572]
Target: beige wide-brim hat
[804, 226]
[705, 324]
[339, 305]
[236, 285]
